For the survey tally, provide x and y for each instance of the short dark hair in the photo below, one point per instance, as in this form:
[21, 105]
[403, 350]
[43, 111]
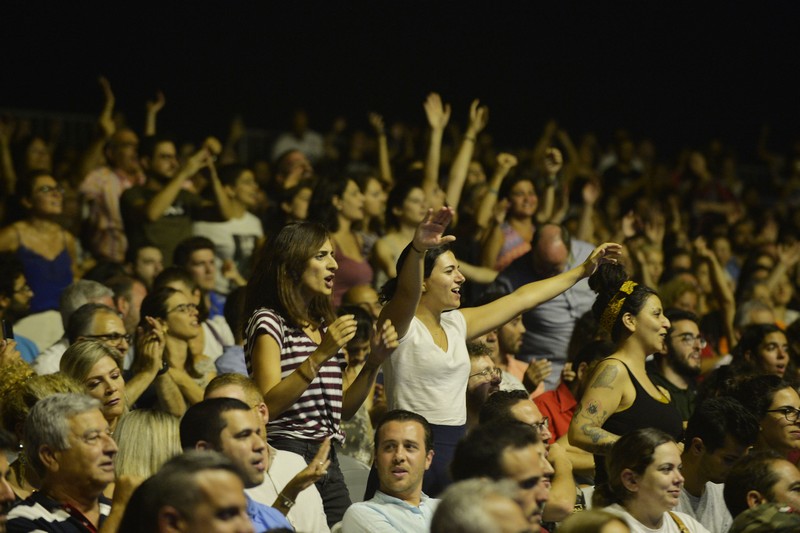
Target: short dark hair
[183, 252]
[401, 415]
[715, 418]
[498, 405]
[751, 472]
[480, 453]
[364, 323]
[204, 421]
[80, 322]
[148, 144]
[677, 315]
[10, 269]
[756, 393]
[8, 442]
[390, 287]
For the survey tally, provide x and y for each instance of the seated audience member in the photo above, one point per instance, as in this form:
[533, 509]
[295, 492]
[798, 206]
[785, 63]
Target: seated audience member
[146, 262]
[719, 433]
[480, 506]
[758, 478]
[403, 452]
[593, 521]
[196, 255]
[230, 426]
[129, 293]
[678, 368]
[146, 440]
[644, 483]
[76, 295]
[558, 405]
[68, 443]
[232, 358]
[776, 406]
[195, 491]
[508, 450]
[286, 472]
[484, 380]
[8, 445]
[767, 518]
[365, 297]
[15, 302]
[762, 349]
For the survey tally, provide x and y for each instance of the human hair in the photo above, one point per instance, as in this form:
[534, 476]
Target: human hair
[7, 441]
[390, 287]
[364, 323]
[122, 286]
[498, 405]
[462, 506]
[174, 485]
[155, 305]
[10, 270]
[81, 356]
[174, 274]
[745, 354]
[321, 208]
[149, 143]
[593, 351]
[401, 415]
[230, 173]
[25, 185]
[633, 451]
[81, 321]
[480, 452]
[674, 289]
[203, 421]
[24, 394]
[396, 198]
[716, 418]
[504, 193]
[566, 238]
[146, 438]
[103, 271]
[589, 521]
[248, 386]
[608, 283]
[184, 250]
[679, 315]
[48, 424]
[234, 312]
[754, 471]
[276, 279]
[756, 392]
[741, 317]
[79, 293]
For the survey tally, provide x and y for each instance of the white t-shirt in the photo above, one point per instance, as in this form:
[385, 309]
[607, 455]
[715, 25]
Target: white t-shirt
[235, 239]
[668, 525]
[709, 509]
[422, 378]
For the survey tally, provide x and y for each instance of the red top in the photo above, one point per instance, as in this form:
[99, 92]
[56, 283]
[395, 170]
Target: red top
[558, 405]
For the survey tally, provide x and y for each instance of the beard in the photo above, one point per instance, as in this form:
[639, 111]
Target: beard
[682, 367]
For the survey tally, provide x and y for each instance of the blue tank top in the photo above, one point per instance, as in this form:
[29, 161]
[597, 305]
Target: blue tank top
[48, 278]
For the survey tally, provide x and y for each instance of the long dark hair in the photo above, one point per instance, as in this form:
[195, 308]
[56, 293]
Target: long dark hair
[390, 287]
[607, 282]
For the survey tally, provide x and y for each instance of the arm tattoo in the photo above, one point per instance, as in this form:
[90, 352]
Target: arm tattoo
[606, 378]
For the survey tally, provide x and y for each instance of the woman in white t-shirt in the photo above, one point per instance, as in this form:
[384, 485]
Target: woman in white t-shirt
[429, 371]
[644, 484]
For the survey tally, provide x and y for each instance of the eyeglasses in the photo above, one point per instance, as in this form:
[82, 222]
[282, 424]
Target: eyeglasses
[688, 340]
[24, 288]
[48, 189]
[789, 413]
[183, 308]
[111, 337]
[541, 426]
[488, 372]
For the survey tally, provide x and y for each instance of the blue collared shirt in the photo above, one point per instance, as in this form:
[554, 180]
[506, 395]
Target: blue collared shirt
[385, 514]
[265, 517]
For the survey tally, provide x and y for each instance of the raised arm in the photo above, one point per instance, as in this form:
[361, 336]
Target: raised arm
[719, 283]
[438, 117]
[590, 193]
[153, 108]
[478, 118]
[493, 315]
[224, 202]
[8, 177]
[401, 308]
[383, 150]
[601, 399]
[156, 207]
[505, 162]
[553, 161]
[92, 155]
[383, 343]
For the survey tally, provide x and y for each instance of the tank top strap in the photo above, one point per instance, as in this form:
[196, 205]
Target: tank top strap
[636, 384]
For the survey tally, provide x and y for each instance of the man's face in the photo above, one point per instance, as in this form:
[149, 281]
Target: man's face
[164, 163]
[787, 489]
[524, 466]
[123, 151]
[109, 329]
[551, 255]
[149, 264]
[510, 336]
[133, 314]
[88, 464]
[223, 508]
[508, 515]
[202, 268]
[20, 302]
[526, 412]
[484, 379]
[6, 492]
[243, 443]
[718, 463]
[401, 458]
[259, 408]
[684, 348]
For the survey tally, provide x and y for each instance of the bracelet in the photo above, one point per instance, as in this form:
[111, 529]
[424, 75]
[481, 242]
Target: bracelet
[306, 378]
[415, 248]
[286, 501]
[164, 369]
[468, 138]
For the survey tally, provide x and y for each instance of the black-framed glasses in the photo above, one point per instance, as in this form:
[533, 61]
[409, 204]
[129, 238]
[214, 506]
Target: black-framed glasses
[541, 426]
[689, 339]
[791, 414]
[45, 189]
[488, 372]
[111, 337]
[183, 308]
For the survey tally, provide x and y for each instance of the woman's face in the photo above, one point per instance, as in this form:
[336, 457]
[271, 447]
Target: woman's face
[47, 198]
[37, 156]
[297, 209]
[351, 202]
[659, 487]
[318, 277]
[777, 433]
[687, 301]
[182, 321]
[523, 199]
[652, 325]
[245, 189]
[413, 209]
[104, 382]
[374, 199]
[773, 353]
[783, 291]
[654, 263]
[443, 287]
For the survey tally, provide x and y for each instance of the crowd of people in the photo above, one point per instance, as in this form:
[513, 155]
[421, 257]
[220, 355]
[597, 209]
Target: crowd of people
[401, 329]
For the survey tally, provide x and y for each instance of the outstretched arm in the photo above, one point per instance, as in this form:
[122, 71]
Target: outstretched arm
[383, 150]
[478, 118]
[438, 116]
[153, 108]
[160, 202]
[92, 156]
[505, 162]
[383, 343]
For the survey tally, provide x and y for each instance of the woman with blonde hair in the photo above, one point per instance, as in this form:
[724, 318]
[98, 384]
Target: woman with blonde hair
[146, 439]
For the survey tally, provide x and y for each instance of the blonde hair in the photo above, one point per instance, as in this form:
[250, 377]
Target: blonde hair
[146, 440]
[249, 388]
[20, 398]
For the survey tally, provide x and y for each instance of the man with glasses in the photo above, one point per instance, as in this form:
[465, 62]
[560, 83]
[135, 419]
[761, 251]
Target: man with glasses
[484, 380]
[677, 370]
[15, 302]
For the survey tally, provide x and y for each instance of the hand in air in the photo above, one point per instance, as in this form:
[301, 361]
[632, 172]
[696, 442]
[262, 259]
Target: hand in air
[430, 231]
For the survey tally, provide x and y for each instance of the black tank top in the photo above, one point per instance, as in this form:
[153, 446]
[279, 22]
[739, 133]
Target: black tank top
[644, 412]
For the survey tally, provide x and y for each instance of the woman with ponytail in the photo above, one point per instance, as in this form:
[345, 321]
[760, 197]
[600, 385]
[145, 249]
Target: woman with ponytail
[620, 397]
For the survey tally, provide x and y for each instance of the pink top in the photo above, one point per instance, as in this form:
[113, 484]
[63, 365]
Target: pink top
[350, 274]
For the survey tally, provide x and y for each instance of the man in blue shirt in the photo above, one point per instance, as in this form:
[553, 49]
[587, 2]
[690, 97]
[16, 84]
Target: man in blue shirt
[403, 452]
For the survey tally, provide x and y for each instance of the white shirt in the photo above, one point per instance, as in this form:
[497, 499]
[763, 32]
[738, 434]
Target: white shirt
[668, 525]
[709, 509]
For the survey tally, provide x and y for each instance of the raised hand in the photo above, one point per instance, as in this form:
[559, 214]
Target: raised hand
[339, 333]
[7, 127]
[478, 117]
[506, 161]
[609, 252]
[655, 228]
[538, 370]
[154, 106]
[8, 352]
[106, 118]
[567, 374]
[438, 114]
[376, 121]
[317, 468]
[789, 254]
[197, 161]
[553, 161]
[591, 192]
[430, 232]
[383, 343]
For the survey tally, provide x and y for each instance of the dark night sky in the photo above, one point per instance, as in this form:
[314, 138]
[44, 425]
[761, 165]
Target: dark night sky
[679, 72]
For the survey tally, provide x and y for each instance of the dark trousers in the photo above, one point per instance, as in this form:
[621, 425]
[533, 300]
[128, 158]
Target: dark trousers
[335, 497]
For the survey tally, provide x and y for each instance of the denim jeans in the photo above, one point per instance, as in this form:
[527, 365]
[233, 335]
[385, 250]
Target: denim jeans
[332, 488]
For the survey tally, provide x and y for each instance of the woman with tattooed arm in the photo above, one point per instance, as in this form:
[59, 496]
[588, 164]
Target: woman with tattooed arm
[620, 396]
